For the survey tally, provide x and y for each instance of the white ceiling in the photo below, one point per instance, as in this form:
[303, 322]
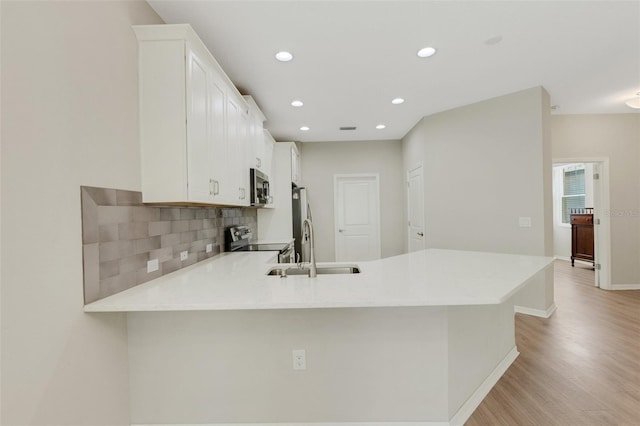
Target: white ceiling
[352, 57]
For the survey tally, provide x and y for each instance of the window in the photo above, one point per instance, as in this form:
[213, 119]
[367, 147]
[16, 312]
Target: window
[573, 193]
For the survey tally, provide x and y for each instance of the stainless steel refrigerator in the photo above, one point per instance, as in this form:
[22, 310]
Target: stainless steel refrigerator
[301, 211]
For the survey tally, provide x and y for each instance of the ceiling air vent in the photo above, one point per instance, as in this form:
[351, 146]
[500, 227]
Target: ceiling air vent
[348, 128]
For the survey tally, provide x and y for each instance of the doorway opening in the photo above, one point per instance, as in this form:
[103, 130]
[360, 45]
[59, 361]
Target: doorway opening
[581, 187]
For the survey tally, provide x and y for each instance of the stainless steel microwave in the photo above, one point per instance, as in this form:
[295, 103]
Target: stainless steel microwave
[260, 194]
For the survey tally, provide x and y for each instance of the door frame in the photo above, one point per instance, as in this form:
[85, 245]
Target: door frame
[602, 244]
[420, 166]
[336, 178]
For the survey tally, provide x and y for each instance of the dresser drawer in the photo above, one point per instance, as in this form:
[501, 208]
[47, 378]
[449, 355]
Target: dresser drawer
[582, 219]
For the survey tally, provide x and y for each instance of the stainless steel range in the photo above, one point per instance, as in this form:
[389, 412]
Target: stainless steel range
[238, 238]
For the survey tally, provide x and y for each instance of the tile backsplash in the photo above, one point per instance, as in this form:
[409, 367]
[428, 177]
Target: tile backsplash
[120, 234]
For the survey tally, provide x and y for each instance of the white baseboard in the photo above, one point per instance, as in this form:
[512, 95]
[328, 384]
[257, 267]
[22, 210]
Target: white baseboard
[536, 312]
[625, 286]
[476, 398]
[306, 423]
[458, 419]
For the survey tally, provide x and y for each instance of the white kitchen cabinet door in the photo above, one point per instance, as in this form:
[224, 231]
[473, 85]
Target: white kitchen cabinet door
[219, 182]
[199, 148]
[295, 166]
[192, 129]
[268, 144]
[255, 137]
[236, 135]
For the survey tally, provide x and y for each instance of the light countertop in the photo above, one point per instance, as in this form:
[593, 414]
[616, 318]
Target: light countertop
[237, 281]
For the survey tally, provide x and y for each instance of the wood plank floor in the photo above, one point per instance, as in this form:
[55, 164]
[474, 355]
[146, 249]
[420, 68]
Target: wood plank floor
[579, 367]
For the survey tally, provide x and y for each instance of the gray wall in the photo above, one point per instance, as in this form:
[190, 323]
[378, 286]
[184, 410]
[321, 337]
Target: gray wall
[69, 118]
[322, 160]
[617, 137]
[483, 169]
[486, 165]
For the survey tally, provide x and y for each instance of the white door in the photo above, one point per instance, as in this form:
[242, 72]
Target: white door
[357, 217]
[415, 208]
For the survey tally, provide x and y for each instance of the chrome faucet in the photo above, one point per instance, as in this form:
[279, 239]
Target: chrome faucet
[307, 225]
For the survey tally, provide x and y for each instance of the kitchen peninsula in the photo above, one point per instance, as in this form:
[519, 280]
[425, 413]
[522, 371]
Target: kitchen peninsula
[420, 337]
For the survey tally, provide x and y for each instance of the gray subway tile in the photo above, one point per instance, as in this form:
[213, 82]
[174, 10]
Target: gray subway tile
[204, 234]
[169, 240]
[108, 232]
[163, 254]
[114, 214]
[177, 249]
[133, 230]
[110, 268]
[89, 218]
[188, 237]
[195, 224]
[187, 214]
[101, 196]
[170, 213]
[201, 213]
[142, 276]
[197, 246]
[193, 258]
[159, 228]
[145, 214]
[117, 284]
[145, 245]
[208, 223]
[179, 226]
[115, 250]
[91, 271]
[128, 198]
[133, 263]
[171, 265]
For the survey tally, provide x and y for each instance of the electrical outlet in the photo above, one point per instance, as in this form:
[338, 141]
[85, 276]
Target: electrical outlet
[209, 248]
[184, 255]
[152, 265]
[299, 359]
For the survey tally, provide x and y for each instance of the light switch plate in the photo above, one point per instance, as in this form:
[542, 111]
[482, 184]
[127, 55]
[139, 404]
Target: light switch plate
[524, 222]
[209, 248]
[152, 265]
[184, 255]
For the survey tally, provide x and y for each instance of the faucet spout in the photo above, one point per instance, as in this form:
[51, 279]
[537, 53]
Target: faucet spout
[308, 227]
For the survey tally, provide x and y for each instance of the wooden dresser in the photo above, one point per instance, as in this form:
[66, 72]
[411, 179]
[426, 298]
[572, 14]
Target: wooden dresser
[582, 235]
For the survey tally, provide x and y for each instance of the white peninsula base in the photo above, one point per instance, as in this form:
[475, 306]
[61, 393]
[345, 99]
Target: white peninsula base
[428, 365]
[418, 338]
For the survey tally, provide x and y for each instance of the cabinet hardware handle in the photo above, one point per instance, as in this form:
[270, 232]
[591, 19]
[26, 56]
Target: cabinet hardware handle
[211, 187]
[340, 230]
[217, 186]
[421, 234]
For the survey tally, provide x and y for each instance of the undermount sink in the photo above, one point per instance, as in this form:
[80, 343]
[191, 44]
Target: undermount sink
[321, 270]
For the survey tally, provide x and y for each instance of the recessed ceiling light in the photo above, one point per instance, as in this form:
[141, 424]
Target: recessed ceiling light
[297, 103]
[380, 126]
[425, 52]
[284, 56]
[397, 101]
[491, 41]
[634, 102]
[304, 128]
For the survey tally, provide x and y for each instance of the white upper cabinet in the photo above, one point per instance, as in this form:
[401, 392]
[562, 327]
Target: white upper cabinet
[295, 165]
[255, 137]
[268, 147]
[192, 122]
